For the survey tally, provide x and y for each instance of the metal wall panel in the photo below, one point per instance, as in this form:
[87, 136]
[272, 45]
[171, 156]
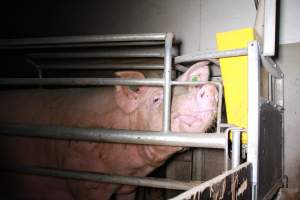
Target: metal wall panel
[270, 147]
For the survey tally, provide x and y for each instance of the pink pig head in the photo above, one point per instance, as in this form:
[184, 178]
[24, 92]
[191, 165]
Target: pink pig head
[194, 108]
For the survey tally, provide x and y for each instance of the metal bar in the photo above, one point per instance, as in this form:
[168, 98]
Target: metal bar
[181, 68]
[167, 82]
[100, 54]
[105, 44]
[182, 83]
[207, 140]
[54, 41]
[269, 28]
[106, 178]
[80, 81]
[271, 67]
[95, 65]
[206, 55]
[253, 112]
[226, 150]
[236, 148]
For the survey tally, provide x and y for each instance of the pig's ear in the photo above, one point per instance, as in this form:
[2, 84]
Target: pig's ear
[129, 98]
[197, 72]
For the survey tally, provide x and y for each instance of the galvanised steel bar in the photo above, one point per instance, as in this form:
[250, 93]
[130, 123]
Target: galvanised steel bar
[100, 54]
[50, 42]
[78, 45]
[80, 81]
[253, 112]
[106, 178]
[234, 130]
[269, 28]
[206, 55]
[236, 148]
[167, 82]
[87, 66]
[204, 140]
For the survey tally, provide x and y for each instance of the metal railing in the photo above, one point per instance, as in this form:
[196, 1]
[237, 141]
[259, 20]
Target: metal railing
[165, 137]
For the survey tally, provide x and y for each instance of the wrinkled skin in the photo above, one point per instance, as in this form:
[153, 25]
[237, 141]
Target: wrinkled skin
[193, 110]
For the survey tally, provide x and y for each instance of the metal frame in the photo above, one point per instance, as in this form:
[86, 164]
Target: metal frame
[165, 137]
[212, 140]
[253, 111]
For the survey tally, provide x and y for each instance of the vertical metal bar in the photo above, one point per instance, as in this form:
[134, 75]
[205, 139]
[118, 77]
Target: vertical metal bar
[226, 151]
[253, 112]
[167, 81]
[236, 147]
[279, 92]
[219, 114]
[270, 88]
[269, 27]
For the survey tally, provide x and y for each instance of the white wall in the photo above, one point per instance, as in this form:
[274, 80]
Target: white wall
[290, 61]
[223, 15]
[226, 15]
[290, 21]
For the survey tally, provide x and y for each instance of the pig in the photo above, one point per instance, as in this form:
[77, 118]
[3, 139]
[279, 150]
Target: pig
[193, 109]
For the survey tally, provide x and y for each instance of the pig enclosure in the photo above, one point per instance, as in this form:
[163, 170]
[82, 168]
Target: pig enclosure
[90, 61]
[47, 56]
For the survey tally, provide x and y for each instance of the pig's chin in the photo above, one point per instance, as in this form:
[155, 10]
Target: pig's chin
[198, 122]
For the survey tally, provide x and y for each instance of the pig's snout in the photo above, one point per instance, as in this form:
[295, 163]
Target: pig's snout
[207, 95]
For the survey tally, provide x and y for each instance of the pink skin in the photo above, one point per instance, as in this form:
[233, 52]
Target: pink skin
[193, 110]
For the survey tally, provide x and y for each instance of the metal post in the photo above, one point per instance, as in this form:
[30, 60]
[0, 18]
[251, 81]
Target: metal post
[236, 148]
[269, 27]
[167, 82]
[253, 112]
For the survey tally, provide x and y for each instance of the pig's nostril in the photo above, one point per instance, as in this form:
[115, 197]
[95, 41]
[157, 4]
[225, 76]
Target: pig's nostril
[202, 94]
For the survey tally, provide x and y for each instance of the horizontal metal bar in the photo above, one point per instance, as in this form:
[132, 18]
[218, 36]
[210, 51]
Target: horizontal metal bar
[100, 54]
[106, 44]
[96, 81]
[106, 178]
[87, 65]
[206, 55]
[195, 83]
[207, 140]
[54, 41]
[80, 81]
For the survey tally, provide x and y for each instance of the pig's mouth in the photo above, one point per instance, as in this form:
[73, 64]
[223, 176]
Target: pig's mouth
[193, 120]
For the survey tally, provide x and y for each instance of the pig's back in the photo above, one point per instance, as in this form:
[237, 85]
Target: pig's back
[66, 107]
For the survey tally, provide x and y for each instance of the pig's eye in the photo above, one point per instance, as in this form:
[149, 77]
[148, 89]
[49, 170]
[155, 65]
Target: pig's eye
[156, 100]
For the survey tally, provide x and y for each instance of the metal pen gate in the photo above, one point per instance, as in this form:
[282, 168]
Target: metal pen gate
[166, 137]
